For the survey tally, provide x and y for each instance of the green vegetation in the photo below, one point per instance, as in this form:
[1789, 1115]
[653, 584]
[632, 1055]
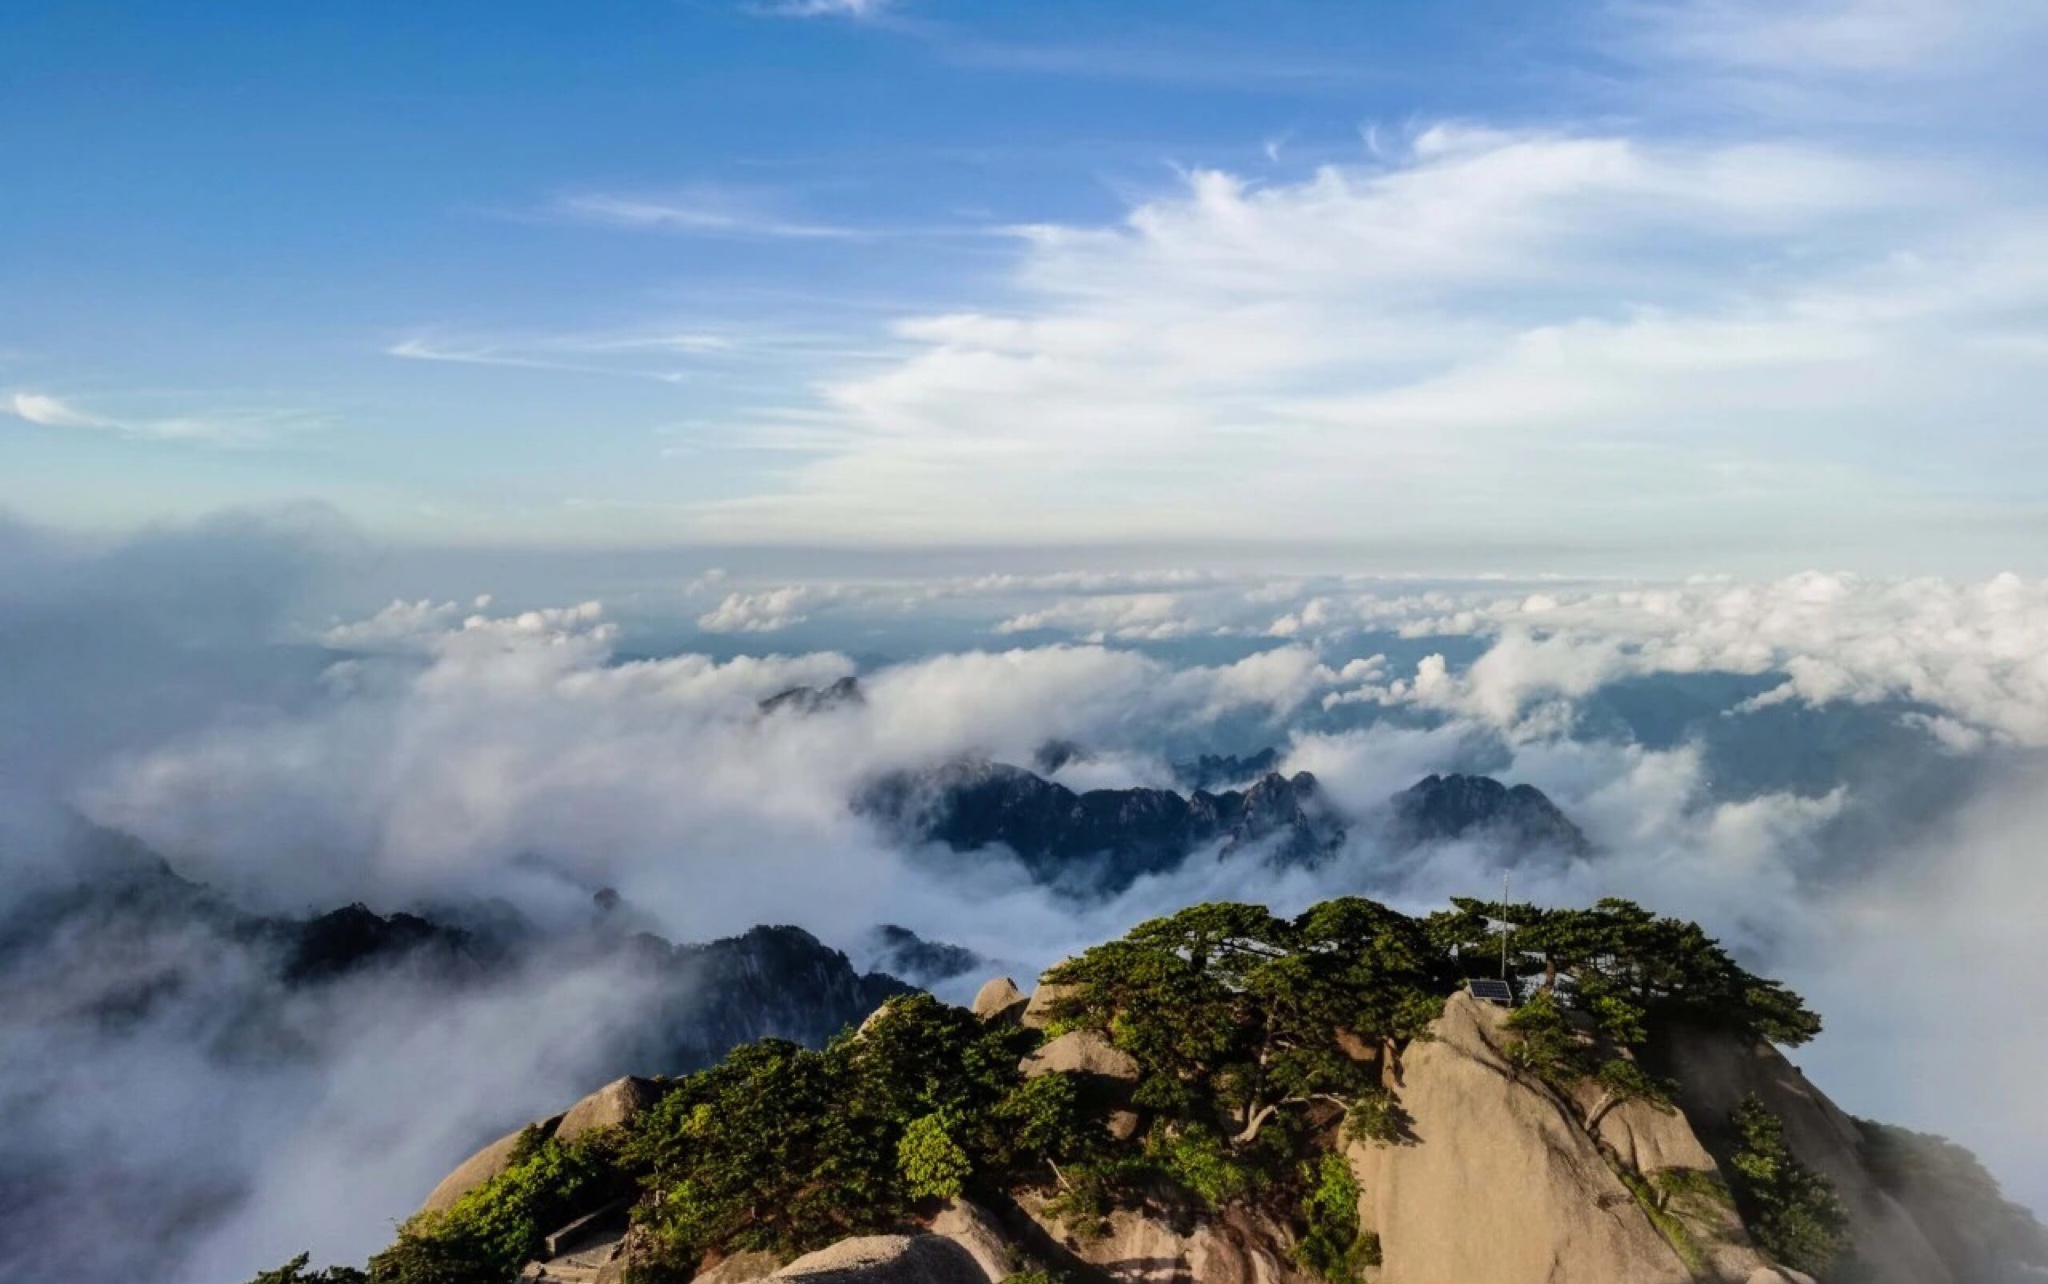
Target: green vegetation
[498, 1226]
[1791, 1211]
[1262, 1044]
[786, 1149]
[1332, 1246]
[295, 1272]
[932, 1164]
[1630, 970]
[1238, 1017]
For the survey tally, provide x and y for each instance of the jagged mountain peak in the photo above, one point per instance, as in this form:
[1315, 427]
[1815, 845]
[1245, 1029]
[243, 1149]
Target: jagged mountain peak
[1446, 807]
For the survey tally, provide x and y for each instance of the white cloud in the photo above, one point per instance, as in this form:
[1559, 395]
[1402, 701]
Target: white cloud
[502, 738]
[52, 412]
[1496, 329]
[1803, 38]
[244, 427]
[709, 211]
[399, 626]
[830, 8]
[1978, 652]
[759, 612]
[1128, 617]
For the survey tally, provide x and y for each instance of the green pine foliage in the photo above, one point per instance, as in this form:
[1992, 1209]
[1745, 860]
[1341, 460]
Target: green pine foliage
[1631, 970]
[1792, 1212]
[296, 1272]
[498, 1226]
[931, 1163]
[1331, 1245]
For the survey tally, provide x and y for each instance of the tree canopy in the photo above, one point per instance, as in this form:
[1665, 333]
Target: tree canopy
[1631, 969]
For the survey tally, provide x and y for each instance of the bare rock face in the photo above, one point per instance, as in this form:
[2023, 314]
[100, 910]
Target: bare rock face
[480, 1168]
[888, 1259]
[1715, 1072]
[1038, 1012]
[1500, 1184]
[1000, 1000]
[1652, 1140]
[610, 1106]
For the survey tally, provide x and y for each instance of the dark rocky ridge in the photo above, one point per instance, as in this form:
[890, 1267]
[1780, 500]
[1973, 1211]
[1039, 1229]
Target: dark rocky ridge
[1105, 838]
[1102, 840]
[806, 700]
[1210, 770]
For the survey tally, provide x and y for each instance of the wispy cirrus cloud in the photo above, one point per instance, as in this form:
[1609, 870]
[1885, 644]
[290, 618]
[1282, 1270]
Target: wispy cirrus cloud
[672, 353]
[528, 355]
[699, 211]
[1917, 38]
[226, 428]
[855, 9]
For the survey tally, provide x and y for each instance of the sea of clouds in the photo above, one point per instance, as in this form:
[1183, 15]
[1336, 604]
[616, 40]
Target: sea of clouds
[184, 687]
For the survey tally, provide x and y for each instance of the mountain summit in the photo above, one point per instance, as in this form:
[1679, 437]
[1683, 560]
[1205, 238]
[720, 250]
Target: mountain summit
[1224, 1096]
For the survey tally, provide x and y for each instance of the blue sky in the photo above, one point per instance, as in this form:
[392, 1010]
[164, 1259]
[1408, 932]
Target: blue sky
[1709, 279]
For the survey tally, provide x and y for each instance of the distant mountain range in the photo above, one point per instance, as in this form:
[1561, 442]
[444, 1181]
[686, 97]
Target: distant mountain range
[777, 981]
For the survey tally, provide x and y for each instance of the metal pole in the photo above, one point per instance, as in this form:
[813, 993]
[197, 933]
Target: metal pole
[1505, 926]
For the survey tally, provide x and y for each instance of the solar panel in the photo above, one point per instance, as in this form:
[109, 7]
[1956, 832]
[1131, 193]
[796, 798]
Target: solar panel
[1490, 990]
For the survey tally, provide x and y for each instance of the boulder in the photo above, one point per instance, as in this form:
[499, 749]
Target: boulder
[874, 1019]
[1500, 1183]
[480, 1168]
[1087, 1053]
[974, 1229]
[1038, 1012]
[739, 1268]
[1106, 1072]
[888, 1259]
[1000, 1000]
[608, 1107]
[1144, 1247]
